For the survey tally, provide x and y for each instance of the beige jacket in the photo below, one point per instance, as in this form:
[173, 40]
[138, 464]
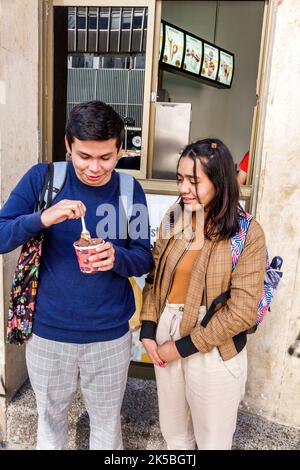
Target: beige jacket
[236, 315]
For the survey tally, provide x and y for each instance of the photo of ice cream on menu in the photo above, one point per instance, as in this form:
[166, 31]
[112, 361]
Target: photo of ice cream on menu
[210, 62]
[173, 50]
[193, 54]
[226, 68]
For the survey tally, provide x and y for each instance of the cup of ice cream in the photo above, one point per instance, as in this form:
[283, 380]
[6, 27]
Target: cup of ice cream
[84, 249]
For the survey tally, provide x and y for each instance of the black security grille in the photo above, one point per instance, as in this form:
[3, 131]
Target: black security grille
[107, 30]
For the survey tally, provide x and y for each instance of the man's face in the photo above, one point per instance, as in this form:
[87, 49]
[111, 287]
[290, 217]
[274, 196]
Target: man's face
[93, 160]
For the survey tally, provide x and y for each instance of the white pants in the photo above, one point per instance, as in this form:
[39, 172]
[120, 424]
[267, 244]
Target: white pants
[199, 395]
[54, 368]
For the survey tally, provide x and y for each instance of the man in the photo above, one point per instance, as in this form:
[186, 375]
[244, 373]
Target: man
[81, 320]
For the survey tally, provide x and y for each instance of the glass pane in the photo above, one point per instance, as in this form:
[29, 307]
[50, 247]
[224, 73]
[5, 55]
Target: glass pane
[126, 19]
[71, 21]
[137, 18]
[81, 21]
[92, 22]
[115, 19]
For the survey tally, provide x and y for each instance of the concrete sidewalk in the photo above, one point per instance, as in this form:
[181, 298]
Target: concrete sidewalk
[139, 423]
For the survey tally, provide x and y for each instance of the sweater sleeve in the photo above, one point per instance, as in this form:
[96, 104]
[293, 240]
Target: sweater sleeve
[240, 312]
[18, 220]
[136, 258]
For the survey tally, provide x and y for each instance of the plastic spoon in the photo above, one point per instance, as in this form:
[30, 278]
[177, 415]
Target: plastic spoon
[85, 233]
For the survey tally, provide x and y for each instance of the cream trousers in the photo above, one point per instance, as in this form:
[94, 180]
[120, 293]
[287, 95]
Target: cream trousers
[199, 395]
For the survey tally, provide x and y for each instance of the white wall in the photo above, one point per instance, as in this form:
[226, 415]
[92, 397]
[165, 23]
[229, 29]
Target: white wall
[223, 113]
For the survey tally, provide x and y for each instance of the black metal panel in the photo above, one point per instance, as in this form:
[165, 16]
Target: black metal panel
[60, 75]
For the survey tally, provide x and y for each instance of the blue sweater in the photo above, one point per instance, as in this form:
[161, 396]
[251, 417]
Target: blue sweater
[71, 306]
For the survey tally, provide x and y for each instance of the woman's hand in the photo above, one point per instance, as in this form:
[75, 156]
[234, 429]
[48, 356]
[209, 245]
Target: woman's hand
[168, 352]
[151, 349]
[104, 260]
[63, 210]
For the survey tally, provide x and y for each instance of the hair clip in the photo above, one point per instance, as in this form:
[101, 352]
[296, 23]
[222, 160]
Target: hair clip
[213, 145]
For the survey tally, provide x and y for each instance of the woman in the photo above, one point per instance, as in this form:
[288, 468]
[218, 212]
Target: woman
[201, 370]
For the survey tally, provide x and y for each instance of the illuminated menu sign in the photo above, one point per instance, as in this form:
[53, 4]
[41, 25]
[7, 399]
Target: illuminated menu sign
[210, 62]
[173, 46]
[225, 74]
[193, 54]
[184, 53]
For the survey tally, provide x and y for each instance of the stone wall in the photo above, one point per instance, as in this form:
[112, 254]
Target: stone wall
[274, 376]
[19, 35]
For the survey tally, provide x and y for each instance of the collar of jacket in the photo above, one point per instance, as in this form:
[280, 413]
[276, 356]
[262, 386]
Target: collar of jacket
[177, 223]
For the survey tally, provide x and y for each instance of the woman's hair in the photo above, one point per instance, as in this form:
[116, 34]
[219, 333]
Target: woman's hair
[222, 220]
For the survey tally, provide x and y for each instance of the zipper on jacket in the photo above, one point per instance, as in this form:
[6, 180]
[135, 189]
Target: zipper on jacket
[173, 272]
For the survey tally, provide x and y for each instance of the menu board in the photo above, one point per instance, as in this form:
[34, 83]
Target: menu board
[186, 54]
[173, 50]
[210, 62]
[193, 54]
[226, 68]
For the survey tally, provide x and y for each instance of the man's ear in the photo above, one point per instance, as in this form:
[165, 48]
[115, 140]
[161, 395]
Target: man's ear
[68, 148]
[119, 154]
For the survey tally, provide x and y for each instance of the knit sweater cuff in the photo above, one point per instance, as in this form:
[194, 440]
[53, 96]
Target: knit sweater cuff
[185, 346]
[148, 329]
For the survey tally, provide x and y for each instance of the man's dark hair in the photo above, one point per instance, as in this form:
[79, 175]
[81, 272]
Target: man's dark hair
[222, 220]
[94, 120]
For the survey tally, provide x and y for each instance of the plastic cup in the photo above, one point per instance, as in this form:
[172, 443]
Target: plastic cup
[83, 254]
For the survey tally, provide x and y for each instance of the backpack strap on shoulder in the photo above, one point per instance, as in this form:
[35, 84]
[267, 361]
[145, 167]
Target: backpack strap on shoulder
[126, 193]
[54, 182]
[237, 242]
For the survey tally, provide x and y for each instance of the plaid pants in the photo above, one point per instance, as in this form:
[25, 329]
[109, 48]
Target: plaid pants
[54, 368]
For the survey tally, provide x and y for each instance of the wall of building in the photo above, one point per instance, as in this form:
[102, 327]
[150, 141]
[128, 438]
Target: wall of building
[222, 113]
[18, 145]
[274, 376]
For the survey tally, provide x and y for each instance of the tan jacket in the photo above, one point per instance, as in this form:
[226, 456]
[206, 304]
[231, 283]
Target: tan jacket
[236, 315]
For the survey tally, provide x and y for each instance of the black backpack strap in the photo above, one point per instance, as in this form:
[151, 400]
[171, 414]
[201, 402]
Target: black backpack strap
[48, 182]
[210, 312]
[50, 185]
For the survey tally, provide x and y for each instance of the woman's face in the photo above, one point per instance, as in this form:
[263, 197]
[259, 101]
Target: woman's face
[194, 193]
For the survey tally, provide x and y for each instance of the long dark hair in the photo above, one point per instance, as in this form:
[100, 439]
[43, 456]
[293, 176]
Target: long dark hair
[222, 218]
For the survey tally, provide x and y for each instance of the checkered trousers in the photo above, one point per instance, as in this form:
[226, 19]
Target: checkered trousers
[54, 369]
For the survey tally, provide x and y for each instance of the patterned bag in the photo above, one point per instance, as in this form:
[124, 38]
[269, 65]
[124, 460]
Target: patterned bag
[25, 281]
[23, 292]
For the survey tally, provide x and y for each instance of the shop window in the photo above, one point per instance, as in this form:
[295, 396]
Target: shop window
[98, 55]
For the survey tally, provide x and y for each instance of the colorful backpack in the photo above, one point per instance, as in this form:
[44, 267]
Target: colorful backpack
[271, 280]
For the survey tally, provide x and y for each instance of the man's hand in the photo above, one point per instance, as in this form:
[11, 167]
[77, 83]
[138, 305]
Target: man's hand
[63, 210]
[104, 260]
[151, 349]
[168, 352]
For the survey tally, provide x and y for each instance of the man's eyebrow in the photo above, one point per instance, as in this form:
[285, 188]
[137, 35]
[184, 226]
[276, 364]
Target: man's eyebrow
[98, 156]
